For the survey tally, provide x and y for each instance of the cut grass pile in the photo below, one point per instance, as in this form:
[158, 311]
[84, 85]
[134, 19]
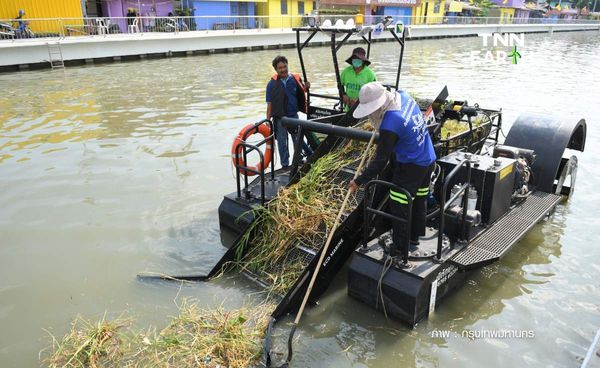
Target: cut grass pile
[207, 338]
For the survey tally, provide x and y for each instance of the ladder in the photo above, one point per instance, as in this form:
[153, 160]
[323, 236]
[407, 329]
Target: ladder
[55, 55]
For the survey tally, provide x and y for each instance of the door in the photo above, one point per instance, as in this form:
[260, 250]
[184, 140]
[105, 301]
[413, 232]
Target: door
[243, 12]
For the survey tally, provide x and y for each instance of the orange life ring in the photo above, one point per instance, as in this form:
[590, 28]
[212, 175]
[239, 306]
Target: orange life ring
[237, 153]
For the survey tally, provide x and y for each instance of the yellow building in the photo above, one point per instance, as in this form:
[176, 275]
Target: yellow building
[430, 11]
[507, 15]
[283, 13]
[9, 9]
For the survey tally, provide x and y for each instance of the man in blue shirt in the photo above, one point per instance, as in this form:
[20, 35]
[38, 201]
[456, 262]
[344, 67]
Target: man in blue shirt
[286, 95]
[404, 140]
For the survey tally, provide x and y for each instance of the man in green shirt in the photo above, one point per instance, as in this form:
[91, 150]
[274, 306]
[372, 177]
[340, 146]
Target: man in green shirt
[355, 76]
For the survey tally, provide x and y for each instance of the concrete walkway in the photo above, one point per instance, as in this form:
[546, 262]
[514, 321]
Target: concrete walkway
[33, 53]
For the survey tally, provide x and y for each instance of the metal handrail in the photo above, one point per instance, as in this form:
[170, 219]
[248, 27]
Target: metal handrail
[378, 212]
[246, 149]
[60, 27]
[445, 204]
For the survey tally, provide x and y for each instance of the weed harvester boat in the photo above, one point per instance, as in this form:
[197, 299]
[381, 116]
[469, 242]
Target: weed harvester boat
[485, 196]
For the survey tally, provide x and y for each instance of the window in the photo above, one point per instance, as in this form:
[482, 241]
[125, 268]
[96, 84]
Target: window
[436, 6]
[300, 7]
[284, 7]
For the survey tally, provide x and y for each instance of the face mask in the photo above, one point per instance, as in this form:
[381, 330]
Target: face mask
[376, 117]
[357, 63]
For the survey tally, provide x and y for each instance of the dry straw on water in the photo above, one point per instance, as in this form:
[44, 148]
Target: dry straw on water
[207, 338]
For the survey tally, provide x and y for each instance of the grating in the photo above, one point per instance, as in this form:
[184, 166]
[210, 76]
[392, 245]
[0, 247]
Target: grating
[494, 243]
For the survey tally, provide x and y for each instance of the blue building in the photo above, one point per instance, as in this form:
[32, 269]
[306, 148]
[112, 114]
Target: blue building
[225, 14]
[400, 10]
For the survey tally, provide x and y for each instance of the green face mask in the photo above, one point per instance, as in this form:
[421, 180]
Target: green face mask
[357, 63]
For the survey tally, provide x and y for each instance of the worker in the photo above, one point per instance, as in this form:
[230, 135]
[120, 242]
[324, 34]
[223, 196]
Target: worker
[355, 76]
[404, 140]
[286, 95]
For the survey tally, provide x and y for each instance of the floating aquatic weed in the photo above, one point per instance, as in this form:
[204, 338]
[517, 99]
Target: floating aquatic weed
[194, 338]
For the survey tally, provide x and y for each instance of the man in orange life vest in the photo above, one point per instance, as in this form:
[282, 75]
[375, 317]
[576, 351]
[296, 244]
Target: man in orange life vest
[286, 95]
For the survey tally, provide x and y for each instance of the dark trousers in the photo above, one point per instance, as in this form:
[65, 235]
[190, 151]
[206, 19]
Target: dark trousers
[281, 135]
[415, 179]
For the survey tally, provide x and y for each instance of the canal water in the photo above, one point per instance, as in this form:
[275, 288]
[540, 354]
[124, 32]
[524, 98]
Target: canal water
[110, 170]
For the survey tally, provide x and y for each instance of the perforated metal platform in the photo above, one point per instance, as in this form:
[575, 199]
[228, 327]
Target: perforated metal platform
[494, 243]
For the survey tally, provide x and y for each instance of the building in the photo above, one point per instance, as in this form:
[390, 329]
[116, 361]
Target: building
[225, 14]
[456, 9]
[9, 9]
[510, 11]
[400, 10]
[283, 13]
[375, 10]
[430, 12]
[118, 8]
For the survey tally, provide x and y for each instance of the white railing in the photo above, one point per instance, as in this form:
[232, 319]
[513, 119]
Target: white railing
[67, 27]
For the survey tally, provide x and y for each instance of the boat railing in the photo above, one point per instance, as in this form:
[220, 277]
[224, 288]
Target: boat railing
[379, 212]
[445, 204]
[245, 170]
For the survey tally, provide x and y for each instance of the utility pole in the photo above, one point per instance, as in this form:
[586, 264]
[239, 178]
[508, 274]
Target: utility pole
[594, 7]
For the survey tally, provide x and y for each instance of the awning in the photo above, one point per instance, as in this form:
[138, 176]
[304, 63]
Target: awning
[467, 6]
[455, 7]
[569, 11]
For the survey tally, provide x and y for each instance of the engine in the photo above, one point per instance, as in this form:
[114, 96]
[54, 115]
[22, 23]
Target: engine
[523, 173]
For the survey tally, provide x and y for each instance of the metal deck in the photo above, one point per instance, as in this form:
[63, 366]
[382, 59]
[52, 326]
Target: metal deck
[494, 243]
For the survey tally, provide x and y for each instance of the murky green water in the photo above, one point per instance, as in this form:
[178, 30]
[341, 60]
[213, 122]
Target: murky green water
[110, 170]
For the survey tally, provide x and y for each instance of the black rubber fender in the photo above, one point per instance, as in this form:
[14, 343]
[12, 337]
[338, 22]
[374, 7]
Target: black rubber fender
[549, 138]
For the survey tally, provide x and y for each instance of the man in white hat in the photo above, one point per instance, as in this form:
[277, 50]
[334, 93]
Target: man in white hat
[404, 140]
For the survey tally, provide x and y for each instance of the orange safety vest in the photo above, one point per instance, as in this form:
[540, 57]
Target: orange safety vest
[302, 97]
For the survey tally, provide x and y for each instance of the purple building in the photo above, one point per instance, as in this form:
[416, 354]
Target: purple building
[512, 11]
[145, 8]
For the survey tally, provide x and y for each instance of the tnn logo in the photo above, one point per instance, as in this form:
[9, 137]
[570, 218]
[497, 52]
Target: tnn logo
[498, 41]
[506, 39]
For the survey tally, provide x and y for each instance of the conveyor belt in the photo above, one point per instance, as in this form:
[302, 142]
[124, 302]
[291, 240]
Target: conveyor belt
[304, 251]
[494, 243]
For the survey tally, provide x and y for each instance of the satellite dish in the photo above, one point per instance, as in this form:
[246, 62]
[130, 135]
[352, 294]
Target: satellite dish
[339, 24]
[326, 24]
[350, 23]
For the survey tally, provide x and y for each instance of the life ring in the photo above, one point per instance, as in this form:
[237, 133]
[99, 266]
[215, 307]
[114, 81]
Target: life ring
[237, 153]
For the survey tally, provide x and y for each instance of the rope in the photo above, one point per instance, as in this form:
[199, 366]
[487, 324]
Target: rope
[387, 264]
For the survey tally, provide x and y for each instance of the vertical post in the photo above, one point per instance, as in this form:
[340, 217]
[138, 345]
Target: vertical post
[245, 173]
[337, 68]
[466, 203]
[499, 126]
[366, 204]
[272, 126]
[237, 172]
[441, 225]
[369, 44]
[408, 226]
[262, 181]
[401, 57]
